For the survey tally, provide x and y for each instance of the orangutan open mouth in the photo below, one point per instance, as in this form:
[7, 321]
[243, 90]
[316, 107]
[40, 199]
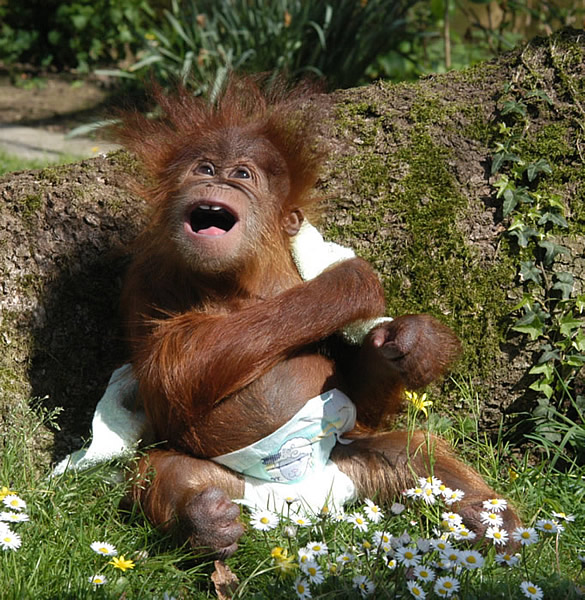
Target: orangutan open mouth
[211, 219]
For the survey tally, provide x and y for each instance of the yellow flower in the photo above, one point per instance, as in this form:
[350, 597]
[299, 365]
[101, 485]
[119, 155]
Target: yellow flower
[283, 562]
[419, 403]
[4, 491]
[121, 563]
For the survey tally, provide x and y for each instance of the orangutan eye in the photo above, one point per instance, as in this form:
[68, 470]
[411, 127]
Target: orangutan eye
[205, 169]
[241, 173]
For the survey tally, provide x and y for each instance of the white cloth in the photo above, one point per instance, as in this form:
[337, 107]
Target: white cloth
[116, 428]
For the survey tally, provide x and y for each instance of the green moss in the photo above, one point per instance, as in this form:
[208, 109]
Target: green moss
[432, 268]
[32, 204]
[361, 118]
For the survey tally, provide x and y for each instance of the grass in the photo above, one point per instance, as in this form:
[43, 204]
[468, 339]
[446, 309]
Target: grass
[68, 513]
[10, 162]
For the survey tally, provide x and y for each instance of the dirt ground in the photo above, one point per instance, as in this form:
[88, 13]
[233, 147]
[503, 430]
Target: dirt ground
[56, 102]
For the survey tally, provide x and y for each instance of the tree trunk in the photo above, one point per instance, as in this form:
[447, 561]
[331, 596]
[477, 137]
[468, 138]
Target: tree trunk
[408, 186]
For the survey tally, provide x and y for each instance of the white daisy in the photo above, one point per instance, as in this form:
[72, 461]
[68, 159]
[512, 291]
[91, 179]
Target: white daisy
[313, 571]
[525, 535]
[415, 589]
[424, 573]
[491, 518]
[545, 525]
[98, 580]
[304, 555]
[530, 590]
[452, 496]
[391, 563]
[364, 585]
[317, 548]
[9, 540]
[462, 533]
[302, 588]
[372, 511]
[441, 545]
[433, 483]
[358, 521]
[497, 535]
[450, 518]
[104, 548]
[495, 504]
[13, 517]
[415, 492]
[382, 540]
[564, 517]
[471, 559]
[407, 556]
[14, 502]
[345, 558]
[504, 558]
[450, 555]
[446, 586]
[263, 520]
[301, 520]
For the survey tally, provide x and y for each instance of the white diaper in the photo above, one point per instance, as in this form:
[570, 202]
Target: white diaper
[293, 461]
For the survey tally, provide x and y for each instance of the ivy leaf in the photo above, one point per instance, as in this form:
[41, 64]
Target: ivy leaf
[502, 157]
[551, 251]
[530, 272]
[540, 94]
[510, 202]
[564, 283]
[540, 166]
[579, 341]
[513, 107]
[542, 387]
[524, 235]
[545, 369]
[554, 218]
[549, 355]
[569, 324]
[575, 360]
[529, 324]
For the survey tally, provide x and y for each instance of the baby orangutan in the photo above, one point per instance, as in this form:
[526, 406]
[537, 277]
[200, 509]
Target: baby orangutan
[241, 371]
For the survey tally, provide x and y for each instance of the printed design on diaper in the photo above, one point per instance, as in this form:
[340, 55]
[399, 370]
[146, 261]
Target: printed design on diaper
[299, 447]
[291, 461]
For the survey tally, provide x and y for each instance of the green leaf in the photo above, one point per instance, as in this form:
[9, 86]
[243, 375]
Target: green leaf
[510, 202]
[551, 250]
[564, 284]
[524, 235]
[540, 94]
[554, 218]
[535, 329]
[530, 272]
[513, 107]
[546, 369]
[540, 166]
[544, 388]
[569, 324]
[575, 360]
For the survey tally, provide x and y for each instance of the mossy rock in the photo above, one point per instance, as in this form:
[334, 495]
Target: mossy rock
[408, 185]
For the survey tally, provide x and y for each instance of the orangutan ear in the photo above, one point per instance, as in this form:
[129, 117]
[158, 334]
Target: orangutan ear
[292, 221]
